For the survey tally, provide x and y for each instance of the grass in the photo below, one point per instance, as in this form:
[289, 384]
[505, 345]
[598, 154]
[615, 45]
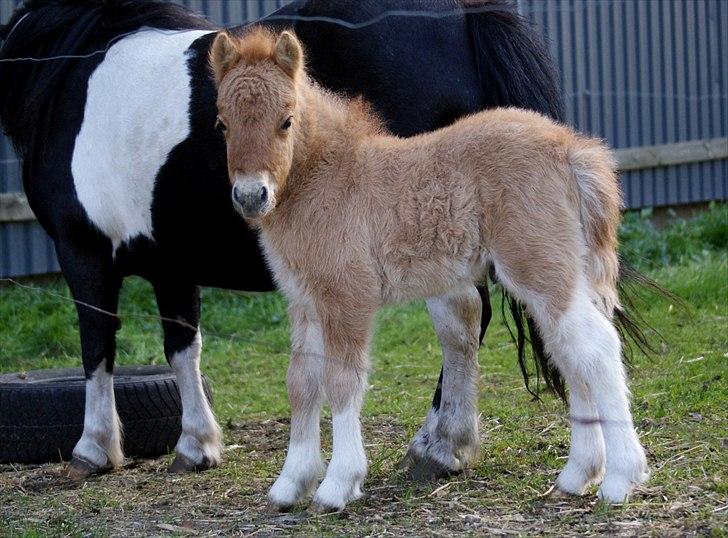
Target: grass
[680, 401]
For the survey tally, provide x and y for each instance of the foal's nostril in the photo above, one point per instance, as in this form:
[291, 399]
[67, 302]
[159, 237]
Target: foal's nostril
[263, 194]
[236, 194]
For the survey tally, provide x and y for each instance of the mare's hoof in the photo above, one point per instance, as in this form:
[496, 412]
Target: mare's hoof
[428, 470]
[182, 464]
[80, 469]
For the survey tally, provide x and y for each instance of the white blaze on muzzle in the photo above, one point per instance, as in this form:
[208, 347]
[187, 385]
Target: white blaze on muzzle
[253, 195]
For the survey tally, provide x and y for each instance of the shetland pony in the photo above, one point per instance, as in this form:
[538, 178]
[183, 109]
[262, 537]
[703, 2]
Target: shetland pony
[399, 219]
[125, 170]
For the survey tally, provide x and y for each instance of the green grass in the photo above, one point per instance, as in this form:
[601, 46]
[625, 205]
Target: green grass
[680, 402]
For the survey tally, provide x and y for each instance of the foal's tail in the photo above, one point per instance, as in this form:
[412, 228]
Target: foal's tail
[599, 204]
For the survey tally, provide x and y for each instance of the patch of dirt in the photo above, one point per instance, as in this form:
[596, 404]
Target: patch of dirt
[142, 499]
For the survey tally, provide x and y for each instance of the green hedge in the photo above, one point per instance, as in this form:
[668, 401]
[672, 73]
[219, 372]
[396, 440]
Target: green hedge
[643, 246]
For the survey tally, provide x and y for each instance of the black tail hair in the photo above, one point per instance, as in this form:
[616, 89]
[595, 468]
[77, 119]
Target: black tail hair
[512, 62]
[634, 288]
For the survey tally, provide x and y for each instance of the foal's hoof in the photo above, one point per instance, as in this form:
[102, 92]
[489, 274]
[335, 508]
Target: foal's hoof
[273, 508]
[559, 494]
[182, 464]
[80, 469]
[321, 508]
[428, 470]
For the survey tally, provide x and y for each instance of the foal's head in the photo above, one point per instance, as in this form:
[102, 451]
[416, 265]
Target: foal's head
[257, 101]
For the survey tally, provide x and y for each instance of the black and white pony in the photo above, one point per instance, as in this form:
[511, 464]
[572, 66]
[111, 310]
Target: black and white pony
[124, 168]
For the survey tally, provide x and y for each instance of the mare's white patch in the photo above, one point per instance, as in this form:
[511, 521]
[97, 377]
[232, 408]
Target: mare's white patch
[100, 442]
[137, 111]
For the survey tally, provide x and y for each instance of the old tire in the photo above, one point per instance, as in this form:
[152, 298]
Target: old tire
[41, 412]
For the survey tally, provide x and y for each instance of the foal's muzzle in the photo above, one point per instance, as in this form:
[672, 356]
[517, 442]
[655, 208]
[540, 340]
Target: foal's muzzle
[252, 195]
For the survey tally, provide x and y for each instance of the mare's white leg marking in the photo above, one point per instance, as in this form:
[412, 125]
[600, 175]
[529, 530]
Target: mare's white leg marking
[100, 442]
[449, 437]
[201, 438]
[348, 466]
[303, 466]
[586, 348]
[137, 111]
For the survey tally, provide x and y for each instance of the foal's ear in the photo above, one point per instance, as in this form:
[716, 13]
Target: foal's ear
[289, 54]
[224, 54]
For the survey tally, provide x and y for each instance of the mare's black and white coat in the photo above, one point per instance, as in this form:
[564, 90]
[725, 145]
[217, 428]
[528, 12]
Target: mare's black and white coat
[125, 170]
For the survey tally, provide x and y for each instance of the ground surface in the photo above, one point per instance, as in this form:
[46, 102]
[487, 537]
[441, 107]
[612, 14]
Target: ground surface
[680, 403]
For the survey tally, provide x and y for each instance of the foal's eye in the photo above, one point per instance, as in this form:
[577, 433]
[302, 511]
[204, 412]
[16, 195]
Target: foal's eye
[220, 126]
[287, 124]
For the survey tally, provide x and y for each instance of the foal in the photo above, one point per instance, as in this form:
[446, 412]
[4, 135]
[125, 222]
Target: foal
[351, 219]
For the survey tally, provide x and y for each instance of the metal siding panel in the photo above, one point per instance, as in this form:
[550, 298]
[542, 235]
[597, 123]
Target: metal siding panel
[214, 11]
[566, 58]
[703, 105]
[606, 76]
[722, 96]
[688, 85]
[235, 13]
[620, 72]
[661, 87]
[644, 83]
[579, 25]
[592, 68]
[634, 68]
[25, 249]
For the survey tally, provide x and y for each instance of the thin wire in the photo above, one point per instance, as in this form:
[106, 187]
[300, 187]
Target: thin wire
[295, 353]
[428, 14]
[96, 52]
[185, 324]
[302, 18]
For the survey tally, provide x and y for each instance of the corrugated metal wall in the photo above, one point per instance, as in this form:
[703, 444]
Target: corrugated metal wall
[637, 72]
[642, 73]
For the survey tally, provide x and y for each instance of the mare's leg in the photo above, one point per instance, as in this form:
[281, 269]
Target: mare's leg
[344, 381]
[448, 441]
[303, 466]
[200, 445]
[95, 286]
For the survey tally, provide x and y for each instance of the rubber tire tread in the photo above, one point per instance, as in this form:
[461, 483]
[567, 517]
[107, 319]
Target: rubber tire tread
[41, 412]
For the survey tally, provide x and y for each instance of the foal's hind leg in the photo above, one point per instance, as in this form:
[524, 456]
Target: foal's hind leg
[586, 348]
[200, 444]
[448, 441]
[95, 287]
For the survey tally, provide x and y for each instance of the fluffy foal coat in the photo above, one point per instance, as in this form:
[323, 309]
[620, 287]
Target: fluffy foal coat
[351, 219]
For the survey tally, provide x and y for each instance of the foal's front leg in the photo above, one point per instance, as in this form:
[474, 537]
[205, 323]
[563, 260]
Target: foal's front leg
[344, 382]
[448, 441]
[303, 466]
